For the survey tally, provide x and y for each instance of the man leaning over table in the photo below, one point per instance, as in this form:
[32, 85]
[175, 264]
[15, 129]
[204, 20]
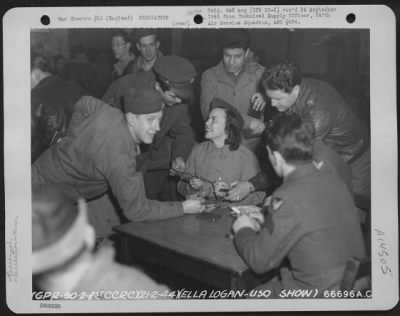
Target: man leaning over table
[98, 153]
[334, 121]
[172, 77]
[312, 220]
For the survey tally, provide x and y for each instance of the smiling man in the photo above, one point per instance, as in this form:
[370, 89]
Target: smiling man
[172, 76]
[235, 80]
[98, 153]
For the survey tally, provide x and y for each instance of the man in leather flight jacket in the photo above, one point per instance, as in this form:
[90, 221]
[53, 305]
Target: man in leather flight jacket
[334, 121]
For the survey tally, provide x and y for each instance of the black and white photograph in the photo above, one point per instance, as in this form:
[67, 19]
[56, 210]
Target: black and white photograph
[200, 159]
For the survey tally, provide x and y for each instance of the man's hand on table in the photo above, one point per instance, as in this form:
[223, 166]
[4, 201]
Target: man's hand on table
[253, 221]
[193, 206]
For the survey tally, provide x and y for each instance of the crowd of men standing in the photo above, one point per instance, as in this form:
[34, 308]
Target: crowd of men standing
[137, 139]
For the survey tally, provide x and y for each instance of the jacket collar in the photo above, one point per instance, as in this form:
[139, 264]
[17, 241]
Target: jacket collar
[246, 76]
[302, 170]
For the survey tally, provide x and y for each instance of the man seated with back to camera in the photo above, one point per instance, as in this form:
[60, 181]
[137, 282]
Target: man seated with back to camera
[221, 159]
[312, 220]
[322, 154]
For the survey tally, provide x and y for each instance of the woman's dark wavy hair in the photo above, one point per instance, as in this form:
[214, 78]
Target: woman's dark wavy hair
[283, 76]
[233, 125]
[292, 137]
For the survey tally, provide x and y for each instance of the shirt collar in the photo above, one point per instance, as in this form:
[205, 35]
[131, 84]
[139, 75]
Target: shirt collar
[302, 169]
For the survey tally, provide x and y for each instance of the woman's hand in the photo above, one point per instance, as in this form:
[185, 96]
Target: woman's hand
[196, 183]
[221, 188]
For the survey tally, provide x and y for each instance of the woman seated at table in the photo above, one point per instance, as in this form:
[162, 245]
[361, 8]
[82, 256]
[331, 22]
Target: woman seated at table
[220, 160]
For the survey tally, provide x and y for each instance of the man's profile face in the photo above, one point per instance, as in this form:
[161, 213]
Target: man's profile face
[274, 162]
[148, 47]
[282, 100]
[234, 59]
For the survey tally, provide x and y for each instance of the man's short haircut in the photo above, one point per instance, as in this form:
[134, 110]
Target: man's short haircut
[235, 38]
[283, 76]
[233, 125]
[291, 136]
[40, 62]
[140, 33]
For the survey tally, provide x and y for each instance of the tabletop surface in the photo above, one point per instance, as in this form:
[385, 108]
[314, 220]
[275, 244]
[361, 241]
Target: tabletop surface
[191, 235]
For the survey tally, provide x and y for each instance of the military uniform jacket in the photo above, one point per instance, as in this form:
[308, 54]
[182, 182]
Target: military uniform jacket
[325, 158]
[99, 153]
[175, 138]
[217, 82]
[334, 121]
[313, 222]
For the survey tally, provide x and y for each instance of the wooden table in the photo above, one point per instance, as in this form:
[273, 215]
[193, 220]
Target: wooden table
[189, 245]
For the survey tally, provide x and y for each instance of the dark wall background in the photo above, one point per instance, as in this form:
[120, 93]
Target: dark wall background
[338, 56]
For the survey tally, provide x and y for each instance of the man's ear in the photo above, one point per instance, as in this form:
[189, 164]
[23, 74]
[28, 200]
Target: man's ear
[138, 46]
[296, 90]
[246, 53]
[158, 44]
[130, 117]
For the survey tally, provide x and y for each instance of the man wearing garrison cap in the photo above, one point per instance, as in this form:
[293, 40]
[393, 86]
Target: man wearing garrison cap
[148, 45]
[172, 77]
[236, 80]
[63, 256]
[98, 153]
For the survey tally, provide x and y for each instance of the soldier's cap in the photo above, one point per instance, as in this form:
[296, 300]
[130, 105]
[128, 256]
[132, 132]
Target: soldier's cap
[235, 38]
[175, 73]
[219, 103]
[139, 33]
[174, 69]
[142, 101]
[59, 228]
